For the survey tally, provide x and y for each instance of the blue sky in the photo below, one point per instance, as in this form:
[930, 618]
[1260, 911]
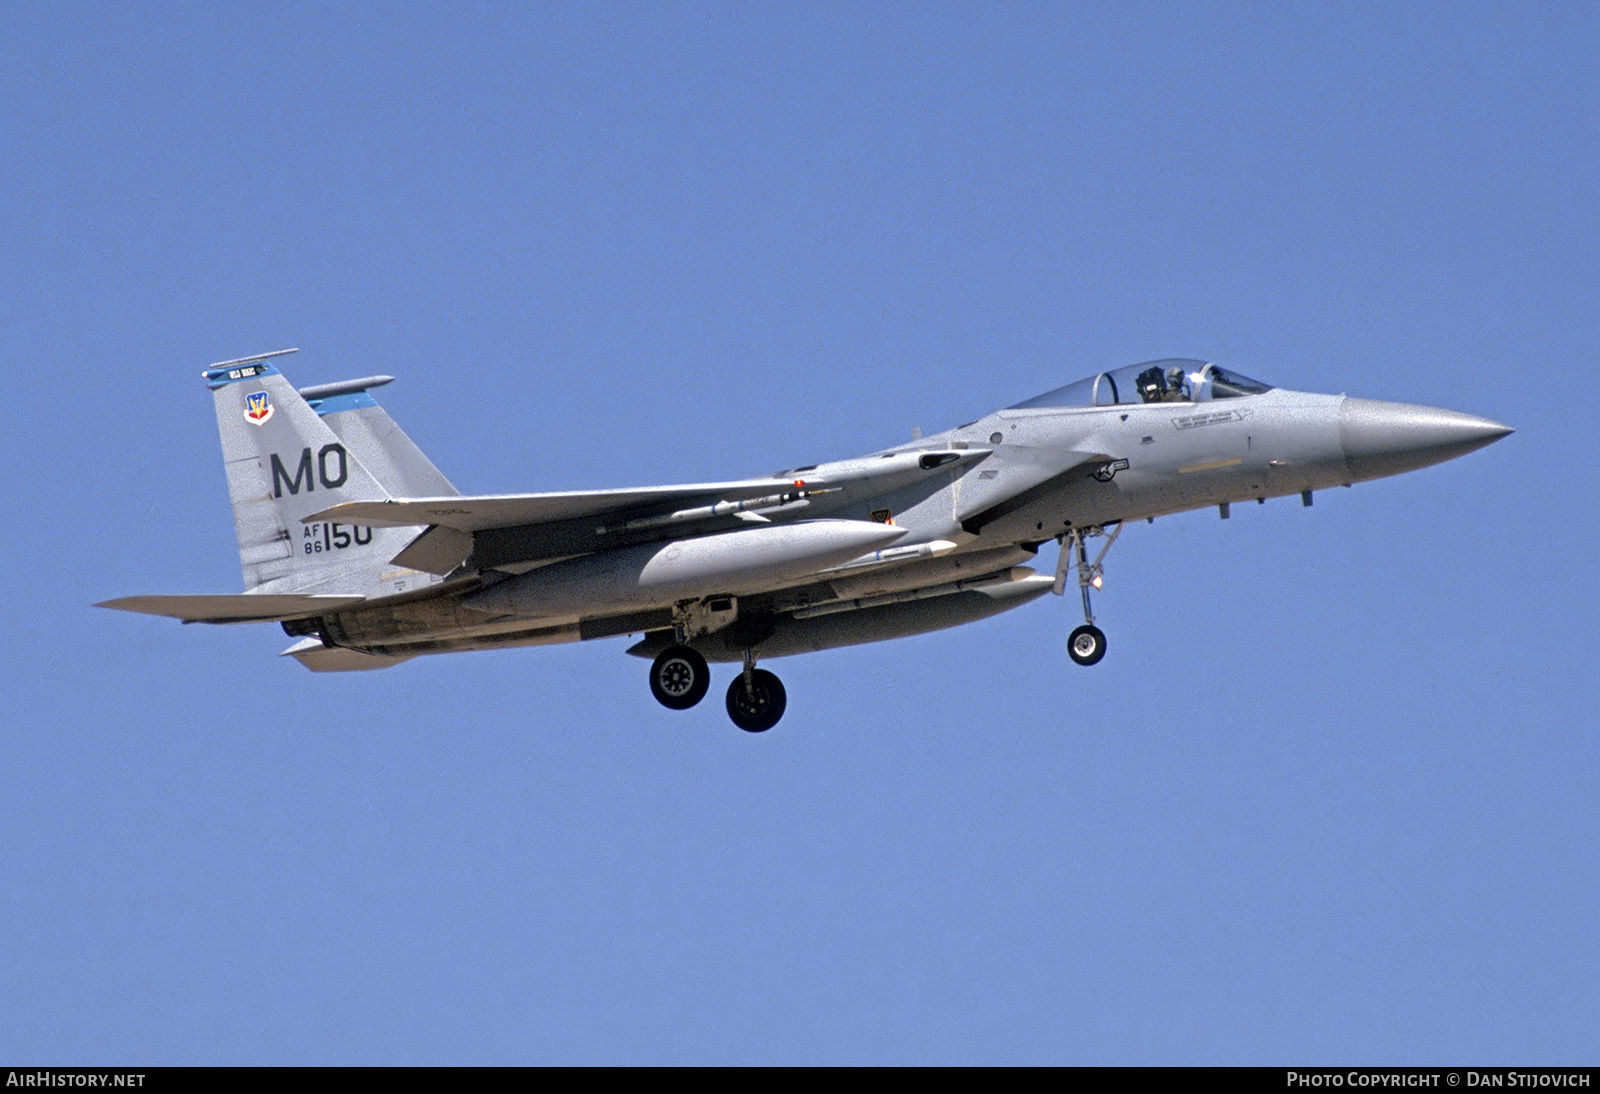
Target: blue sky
[1329, 798]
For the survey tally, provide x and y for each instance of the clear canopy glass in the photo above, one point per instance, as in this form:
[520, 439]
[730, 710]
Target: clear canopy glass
[1178, 380]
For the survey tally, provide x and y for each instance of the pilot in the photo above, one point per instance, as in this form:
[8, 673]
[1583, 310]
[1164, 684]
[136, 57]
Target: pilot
[1177, 387]
[1151, 387]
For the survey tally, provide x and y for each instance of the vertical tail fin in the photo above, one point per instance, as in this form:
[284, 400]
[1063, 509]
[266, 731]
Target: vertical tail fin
[283, 464]
[373, 438]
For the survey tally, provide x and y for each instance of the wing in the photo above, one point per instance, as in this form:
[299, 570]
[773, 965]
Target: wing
[508, 531]
[504, 530]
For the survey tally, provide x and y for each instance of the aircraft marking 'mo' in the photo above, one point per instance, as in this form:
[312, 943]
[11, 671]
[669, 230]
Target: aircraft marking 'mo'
[354, 542]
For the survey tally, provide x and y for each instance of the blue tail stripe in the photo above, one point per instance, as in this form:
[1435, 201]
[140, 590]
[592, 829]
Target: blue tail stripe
[353, 400]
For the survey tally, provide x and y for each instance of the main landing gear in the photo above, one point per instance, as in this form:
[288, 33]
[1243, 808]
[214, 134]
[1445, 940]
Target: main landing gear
[756, 698]
[680, 678]
[1087, 644]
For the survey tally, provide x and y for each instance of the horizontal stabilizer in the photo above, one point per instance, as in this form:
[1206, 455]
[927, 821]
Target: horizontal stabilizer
[237, 608]
[478, 514]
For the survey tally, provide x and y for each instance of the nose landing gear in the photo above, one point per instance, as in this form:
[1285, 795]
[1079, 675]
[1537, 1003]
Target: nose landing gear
[1087, 644]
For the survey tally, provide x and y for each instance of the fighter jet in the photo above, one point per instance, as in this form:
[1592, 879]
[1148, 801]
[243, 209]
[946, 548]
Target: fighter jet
[357, 545]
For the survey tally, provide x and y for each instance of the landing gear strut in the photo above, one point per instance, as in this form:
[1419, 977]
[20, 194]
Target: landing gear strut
[756, 698]
[1087, 644]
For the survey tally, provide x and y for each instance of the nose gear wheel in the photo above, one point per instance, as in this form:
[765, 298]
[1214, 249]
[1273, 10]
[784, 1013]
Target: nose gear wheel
[1087, 644]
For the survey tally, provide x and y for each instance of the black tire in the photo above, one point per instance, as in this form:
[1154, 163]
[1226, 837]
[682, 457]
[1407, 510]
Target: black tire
[679, 678]
[1087, 645]
[757, 708]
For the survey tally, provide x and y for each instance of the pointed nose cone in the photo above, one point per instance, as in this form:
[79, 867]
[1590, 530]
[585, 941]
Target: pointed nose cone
[1388, 438]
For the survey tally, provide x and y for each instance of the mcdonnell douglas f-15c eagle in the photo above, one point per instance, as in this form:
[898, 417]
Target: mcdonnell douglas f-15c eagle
[353, 541]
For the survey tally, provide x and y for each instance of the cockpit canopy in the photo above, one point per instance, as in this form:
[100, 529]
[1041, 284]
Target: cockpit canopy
[1173, 381]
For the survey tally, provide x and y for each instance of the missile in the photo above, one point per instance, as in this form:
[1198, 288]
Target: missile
[922, 572]
[871, 475]
[931, 549]
[1016, 573]
[740, 562]
[794, 499]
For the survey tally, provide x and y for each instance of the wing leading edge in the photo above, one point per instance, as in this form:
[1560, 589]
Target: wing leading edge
[492, 511]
